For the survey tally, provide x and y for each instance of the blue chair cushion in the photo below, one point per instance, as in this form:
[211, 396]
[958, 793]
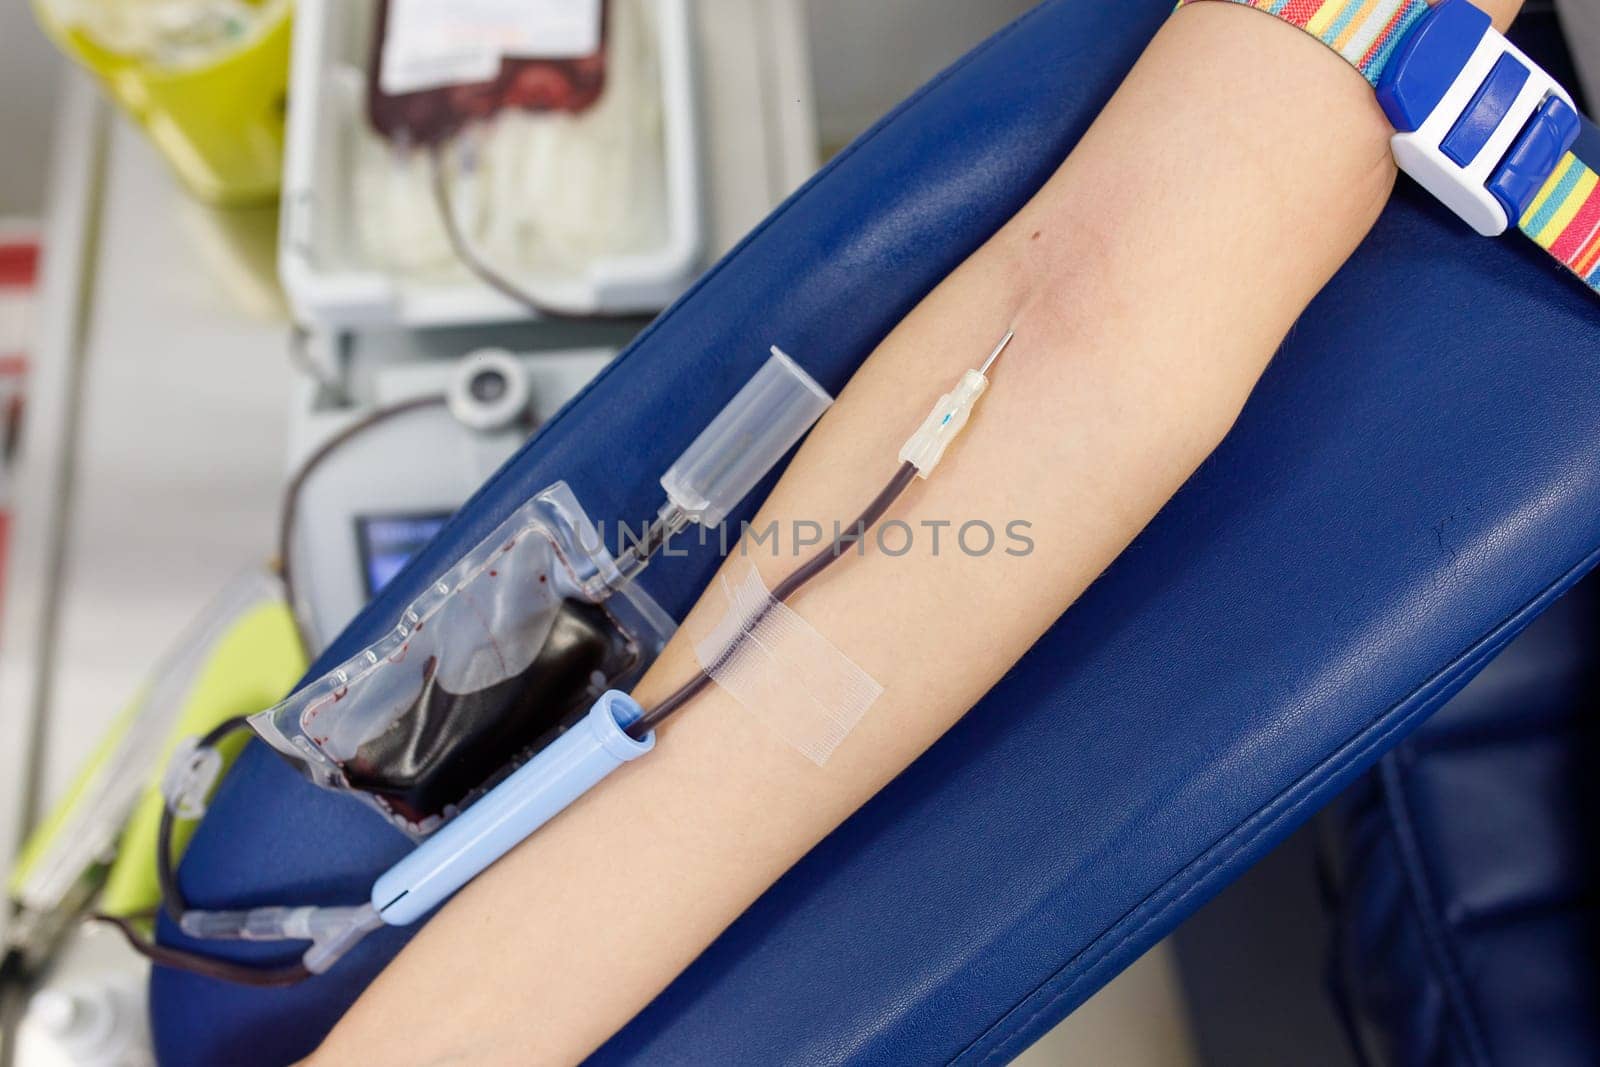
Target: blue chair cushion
[1412, 482]
[1466, 869]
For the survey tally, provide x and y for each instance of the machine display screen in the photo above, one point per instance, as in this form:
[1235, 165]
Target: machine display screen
[389, 541]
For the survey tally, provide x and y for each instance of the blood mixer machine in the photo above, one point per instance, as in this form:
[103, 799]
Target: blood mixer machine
[489, 161]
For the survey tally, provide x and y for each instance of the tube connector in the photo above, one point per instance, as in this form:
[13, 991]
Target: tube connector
[331, 931]
[670, 521]
[925, 448]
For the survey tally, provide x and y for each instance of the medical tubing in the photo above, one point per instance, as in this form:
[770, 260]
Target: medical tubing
[173, 903]
[853, 533]
[787, 587]
[489, 275]
[670, 521]
[332, 931]
[172, 900]
[207, 966]
[288, 513]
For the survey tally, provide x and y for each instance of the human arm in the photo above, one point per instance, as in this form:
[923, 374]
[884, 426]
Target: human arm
[1145, 309]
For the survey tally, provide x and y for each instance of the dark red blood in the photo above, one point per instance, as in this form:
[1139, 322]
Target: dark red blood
[538, 88]
[446, 745]
[527, 82]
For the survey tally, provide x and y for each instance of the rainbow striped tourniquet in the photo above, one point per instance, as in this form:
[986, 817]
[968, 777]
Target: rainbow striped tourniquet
[1364, 32]
[1563, 219]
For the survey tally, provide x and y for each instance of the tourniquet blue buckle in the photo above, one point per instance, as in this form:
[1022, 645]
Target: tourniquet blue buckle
[1480, 125]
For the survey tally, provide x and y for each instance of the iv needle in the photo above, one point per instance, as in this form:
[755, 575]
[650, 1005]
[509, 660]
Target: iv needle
[999, 348]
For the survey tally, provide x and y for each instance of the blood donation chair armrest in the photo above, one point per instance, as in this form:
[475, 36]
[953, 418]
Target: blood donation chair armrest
[1462, 873]
[1412, 482]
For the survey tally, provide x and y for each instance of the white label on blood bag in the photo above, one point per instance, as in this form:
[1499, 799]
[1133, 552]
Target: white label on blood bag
[429, 44]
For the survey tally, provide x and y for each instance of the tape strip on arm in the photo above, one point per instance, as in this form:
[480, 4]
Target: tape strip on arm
[777, 666]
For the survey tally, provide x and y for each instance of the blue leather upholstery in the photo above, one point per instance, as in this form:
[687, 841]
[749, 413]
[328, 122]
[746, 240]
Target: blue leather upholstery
[1465, 869]
[1412, 482]
[1469, 869]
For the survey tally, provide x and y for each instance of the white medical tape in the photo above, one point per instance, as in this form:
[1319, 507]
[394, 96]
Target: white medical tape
[780, 669]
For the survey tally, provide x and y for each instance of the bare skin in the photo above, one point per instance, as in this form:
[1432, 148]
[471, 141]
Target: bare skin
[1148, 294]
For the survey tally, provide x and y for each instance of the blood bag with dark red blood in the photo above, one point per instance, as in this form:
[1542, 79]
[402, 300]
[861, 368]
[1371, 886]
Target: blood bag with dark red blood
[500, 654]
[448, 746]
[526, 80]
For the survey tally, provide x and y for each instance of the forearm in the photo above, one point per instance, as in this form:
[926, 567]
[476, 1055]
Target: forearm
[1148, 283]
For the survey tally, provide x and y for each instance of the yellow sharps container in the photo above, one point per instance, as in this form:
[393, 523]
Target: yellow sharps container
[208, 81]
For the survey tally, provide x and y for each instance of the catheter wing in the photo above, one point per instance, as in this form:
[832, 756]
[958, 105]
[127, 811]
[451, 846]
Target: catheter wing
[1382, 519]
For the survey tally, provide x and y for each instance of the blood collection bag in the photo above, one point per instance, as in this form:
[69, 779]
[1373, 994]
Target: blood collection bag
[498, 657]
[437, 66]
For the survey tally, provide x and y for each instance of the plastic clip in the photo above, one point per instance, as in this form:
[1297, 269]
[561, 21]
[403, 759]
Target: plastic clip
[187, 782]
